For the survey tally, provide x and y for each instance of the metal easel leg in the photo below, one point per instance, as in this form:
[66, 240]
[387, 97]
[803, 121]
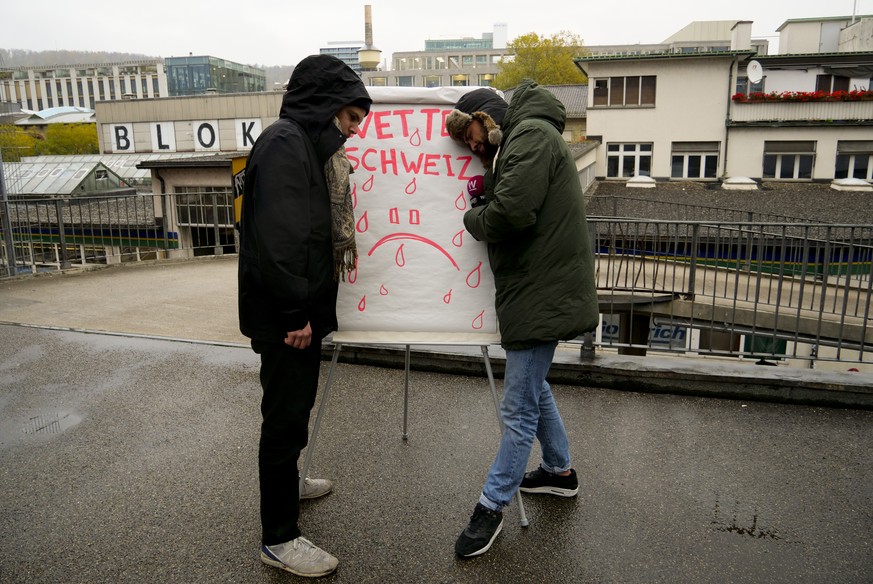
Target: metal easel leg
[310, 450]
[405, 434]
[522, 515]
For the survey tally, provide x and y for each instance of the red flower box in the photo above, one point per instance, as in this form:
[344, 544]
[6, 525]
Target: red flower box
[803, 96]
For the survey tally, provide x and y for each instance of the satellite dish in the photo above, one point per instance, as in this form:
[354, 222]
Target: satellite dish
[754, 71]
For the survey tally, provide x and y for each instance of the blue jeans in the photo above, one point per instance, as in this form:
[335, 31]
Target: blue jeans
[528, 410]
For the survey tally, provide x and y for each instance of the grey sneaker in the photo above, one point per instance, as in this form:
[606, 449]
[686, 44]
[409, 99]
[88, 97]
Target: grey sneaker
[314, 488]
[299, 556]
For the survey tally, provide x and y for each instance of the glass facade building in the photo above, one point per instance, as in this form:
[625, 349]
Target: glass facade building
[197, 75]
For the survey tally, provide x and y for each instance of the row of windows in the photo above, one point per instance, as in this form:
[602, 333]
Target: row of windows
[639, 90]
[827, 83]
[625, 91]
[91, 88]
[148, 69]
[462, 80]
[423, 62]
[699, 160]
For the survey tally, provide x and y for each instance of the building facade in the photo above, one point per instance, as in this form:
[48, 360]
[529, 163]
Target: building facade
[345, 51]
[39, 88]
[446, 68]
[198, 75]
[703, 116]
[455, 62]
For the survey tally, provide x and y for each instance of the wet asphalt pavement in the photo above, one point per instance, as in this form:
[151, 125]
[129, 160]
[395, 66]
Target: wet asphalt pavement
[134, 460]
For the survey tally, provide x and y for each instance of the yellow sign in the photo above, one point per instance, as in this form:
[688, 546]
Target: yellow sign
[238, 169]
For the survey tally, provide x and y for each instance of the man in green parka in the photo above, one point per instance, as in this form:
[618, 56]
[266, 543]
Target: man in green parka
[532, 217]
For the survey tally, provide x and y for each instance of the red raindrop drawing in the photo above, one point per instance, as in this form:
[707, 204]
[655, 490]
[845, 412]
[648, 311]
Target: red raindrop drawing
[458, 239]
[368, 184]
[353, 274]
[448, 297]
[411, 187]
[478, 322]
[363, 223]
[415, 138]
[354, 196]
[461, 202]
[362, 305]
[399, 257]
[383, 291]
[474, 278]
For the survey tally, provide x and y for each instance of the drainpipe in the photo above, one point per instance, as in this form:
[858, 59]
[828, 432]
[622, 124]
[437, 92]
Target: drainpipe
[163, 208]
[727, 114]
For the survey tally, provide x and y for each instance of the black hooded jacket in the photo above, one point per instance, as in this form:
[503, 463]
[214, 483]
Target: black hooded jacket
[286, 251]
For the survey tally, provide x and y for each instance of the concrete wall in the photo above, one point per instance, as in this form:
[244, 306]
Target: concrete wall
[799, 38]
[857, 37]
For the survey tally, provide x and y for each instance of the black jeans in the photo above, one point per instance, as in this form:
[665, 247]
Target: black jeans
[289, 378]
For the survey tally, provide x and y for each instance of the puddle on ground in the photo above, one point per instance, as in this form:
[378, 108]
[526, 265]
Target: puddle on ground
[50, 423]
[38, 425]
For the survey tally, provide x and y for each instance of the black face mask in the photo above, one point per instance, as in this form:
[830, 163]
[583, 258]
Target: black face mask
[329, 141]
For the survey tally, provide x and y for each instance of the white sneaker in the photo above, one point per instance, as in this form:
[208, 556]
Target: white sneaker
[314, 488]
[299, 556]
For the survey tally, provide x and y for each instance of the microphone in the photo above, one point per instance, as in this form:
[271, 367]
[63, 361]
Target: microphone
[476, 190]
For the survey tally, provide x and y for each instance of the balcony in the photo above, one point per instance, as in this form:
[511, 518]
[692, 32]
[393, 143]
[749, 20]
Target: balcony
[794, 113]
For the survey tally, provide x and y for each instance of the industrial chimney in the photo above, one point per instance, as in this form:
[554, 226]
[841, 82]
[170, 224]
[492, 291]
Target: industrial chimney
[369, 56]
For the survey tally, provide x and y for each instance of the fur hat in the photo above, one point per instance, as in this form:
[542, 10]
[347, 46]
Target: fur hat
[483, 105]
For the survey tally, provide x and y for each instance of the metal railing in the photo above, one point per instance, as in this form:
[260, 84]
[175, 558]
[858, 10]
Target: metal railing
[761, 290]
[44, 234]
[727, 287]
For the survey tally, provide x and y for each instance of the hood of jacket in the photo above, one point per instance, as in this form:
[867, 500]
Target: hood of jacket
[320, 85]
[531, 100]
[483, 105]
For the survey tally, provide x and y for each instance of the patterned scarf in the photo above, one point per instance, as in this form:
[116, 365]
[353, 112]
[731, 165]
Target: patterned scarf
[345, 254]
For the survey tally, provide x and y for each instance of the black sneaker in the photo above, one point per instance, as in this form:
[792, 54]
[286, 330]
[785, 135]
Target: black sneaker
[484, 526]
[542, 481]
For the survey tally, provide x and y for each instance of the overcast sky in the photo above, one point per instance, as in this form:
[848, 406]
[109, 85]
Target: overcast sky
[281, 33]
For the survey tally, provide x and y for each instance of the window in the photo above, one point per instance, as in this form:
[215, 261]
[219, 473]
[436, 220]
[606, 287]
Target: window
[624, 91]
[432, 81]
[460, 80]
[405, 81]
[789, 159]
[697, 160]
[854, 159]
[486, 79]
[745, 87]
[628, 160]
[204, 206]
[377, 81]
[831, 83]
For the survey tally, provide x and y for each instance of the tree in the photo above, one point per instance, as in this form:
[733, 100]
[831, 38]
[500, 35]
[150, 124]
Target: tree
[15, 143]
[548, 61]
[69, 139]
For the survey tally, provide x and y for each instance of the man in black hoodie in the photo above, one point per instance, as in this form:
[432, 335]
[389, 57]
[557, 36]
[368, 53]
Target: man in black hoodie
[296, 242]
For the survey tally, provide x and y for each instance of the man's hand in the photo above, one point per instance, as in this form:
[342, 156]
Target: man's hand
[299, 339]
[476, 190]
